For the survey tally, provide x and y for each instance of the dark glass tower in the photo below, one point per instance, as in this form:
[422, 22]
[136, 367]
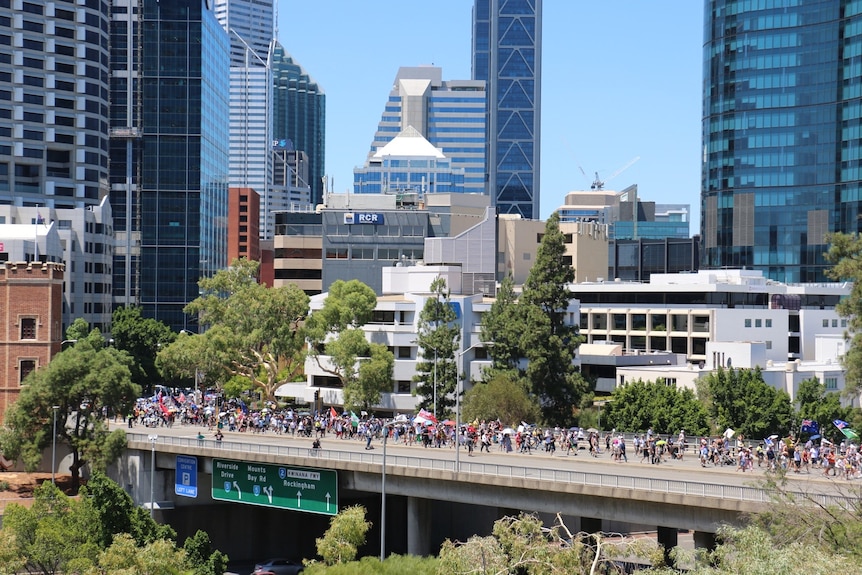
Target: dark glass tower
[299, 114]
[507, 54]
[175, 227]
[782, 102]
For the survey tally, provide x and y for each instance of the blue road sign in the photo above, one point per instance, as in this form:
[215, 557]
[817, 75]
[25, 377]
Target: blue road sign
[187, 476]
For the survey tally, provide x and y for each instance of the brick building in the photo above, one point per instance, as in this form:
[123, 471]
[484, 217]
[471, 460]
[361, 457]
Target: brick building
[31, 304]
[243, 226]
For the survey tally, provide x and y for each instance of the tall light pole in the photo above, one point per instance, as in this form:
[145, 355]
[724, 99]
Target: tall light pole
[54, 447]
[458, 386]
[153, 439]
[383, 494]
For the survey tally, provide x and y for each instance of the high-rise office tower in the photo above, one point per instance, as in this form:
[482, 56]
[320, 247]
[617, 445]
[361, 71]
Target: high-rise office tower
[449, 114]
[507, 54]
[782, 112]
[250, 25]
[299, 116]
[169, 153]
[53, 103]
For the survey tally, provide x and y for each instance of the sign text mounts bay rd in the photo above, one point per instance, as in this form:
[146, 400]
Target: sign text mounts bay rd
[298, 488]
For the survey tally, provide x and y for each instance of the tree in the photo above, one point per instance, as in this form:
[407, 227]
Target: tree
[523, 545]
[818, 405]
[254, 332]
[438, 337]
[502, 396]
[141, 338]
[335, 331]
[845, 253]
[56, 535]
[84, 381]
[639, 405]
[751, 551]
[548, 341]
[201, 555]
[741, 400]
[345, 535]
[124, 557]
[503, 324]
[116, 512]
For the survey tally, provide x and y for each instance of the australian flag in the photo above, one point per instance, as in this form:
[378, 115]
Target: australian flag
[810, 426]
[840, 424]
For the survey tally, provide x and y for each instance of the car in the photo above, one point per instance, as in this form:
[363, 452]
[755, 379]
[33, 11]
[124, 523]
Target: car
[278, 567]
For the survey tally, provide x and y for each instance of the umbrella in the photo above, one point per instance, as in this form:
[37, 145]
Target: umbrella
[573, 428]
[817, 436]
[773, 436]
[728, 433]
[849, 433]
[448, 422]
[508, 431]
[592, 430]
[401, 417]
[661, 442]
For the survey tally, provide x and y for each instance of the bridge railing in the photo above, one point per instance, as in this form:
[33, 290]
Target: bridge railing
[687, 488]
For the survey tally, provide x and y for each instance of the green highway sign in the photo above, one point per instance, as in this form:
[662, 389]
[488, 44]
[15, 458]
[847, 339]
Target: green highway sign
[298, 488]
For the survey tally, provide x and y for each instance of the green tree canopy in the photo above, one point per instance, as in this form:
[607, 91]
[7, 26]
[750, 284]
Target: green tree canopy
[503, 324]
[548, 340]
[254, 331]
[502, 396]
[345, 535]
[141, 338]
[845, 253]
[741, 400]
[439, 337]
[638, 406]
[340, 348]
[818, 405]
[84, 382]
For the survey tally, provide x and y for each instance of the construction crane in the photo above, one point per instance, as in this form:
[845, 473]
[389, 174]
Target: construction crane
[599, 184]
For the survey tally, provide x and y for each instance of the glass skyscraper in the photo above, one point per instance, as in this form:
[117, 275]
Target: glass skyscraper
[507, 55]
[299, 115]
[178, 169]
[782, 112]
[54, 103]
[448, 114]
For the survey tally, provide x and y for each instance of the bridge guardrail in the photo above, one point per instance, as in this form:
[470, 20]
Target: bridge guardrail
[686, 488]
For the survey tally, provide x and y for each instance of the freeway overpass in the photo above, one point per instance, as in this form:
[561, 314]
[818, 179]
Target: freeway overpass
[427, 499]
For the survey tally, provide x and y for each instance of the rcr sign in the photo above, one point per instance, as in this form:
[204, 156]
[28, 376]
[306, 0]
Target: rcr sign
[351, 218]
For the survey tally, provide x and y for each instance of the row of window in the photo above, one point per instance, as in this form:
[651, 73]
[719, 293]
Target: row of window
[638, 322]
[758, 322]
[367, 253]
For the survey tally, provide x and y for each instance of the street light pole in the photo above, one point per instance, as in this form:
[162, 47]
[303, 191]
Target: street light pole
[54, 447]
[153, 439]
[383, 495]
[435, 383]
[458, 387]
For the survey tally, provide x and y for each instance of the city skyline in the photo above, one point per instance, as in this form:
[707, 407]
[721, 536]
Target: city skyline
[610, 93]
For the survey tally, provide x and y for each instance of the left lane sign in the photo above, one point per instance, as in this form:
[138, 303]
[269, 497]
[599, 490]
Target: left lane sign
[187, 476]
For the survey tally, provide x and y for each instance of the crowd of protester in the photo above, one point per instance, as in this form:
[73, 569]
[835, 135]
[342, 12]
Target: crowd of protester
[205, 410]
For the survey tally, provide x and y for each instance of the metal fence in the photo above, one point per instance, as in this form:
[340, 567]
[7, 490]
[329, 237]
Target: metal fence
[471, 468]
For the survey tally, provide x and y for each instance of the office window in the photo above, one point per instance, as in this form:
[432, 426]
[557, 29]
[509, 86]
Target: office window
[825, 323]
[834, 323]
[748, 322]
[758, 323]
[768, 323]
[28, 328]
[831, 383]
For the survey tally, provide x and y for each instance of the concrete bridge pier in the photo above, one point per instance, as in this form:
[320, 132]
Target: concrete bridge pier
[418, 526]
[667, 537]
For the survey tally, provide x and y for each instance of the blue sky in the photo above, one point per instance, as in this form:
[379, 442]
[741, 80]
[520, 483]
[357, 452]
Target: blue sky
[620, 79]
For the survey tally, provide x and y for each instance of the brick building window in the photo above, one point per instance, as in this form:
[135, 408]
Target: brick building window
[25, 367]
[28, 328]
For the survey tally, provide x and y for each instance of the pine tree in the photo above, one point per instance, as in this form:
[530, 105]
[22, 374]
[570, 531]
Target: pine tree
[549, 342]
[439, 335]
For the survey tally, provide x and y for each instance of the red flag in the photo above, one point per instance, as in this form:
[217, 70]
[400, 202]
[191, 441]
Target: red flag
[332, 413]
[427, 415]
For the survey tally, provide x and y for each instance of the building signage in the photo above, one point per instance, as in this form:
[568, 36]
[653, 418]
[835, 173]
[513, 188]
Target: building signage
[187, 476]
[351, 218]
[297, 488]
